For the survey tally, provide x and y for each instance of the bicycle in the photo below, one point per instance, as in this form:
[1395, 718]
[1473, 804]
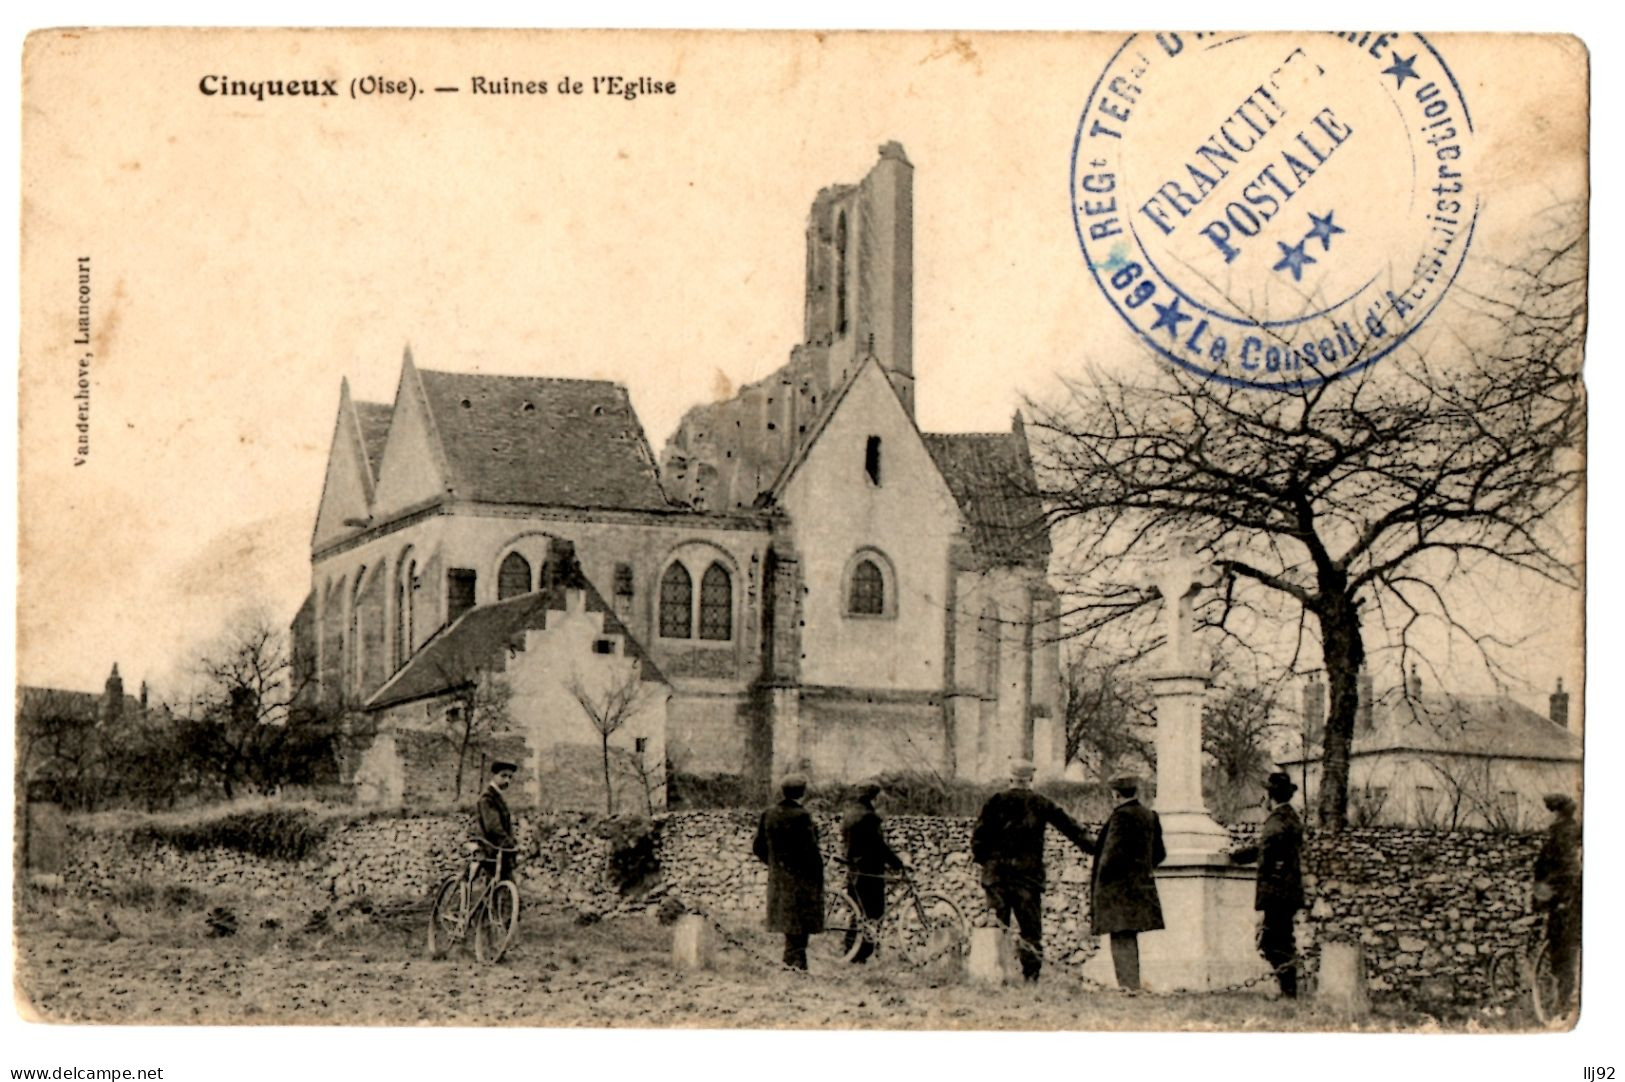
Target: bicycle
[477, 899]
[924, 926]
[1523, 971]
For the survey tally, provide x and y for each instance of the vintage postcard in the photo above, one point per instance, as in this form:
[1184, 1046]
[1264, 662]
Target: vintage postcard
[830, 531]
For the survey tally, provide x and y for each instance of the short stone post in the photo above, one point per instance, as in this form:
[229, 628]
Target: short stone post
[991, 958]
[1341, 985]
[694, 944]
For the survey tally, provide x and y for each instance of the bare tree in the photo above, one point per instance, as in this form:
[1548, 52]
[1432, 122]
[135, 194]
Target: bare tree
[479, 708]
[608, 709]
[1107, 714]
[1471, 787]
[1356, 499]
[244, 725]
[1238, 727]
[1366, 804]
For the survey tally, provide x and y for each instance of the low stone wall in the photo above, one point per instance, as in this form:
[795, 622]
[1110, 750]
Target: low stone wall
[1428, 906]
[706, 862]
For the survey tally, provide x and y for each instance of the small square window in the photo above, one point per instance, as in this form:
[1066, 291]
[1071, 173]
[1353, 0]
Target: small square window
[641, 744]
[603, 646]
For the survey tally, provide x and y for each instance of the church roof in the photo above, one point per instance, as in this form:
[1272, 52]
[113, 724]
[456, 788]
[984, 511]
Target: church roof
[532, 440]
[374, 418]
[1495, 726]
[992, 479]
[480, 639]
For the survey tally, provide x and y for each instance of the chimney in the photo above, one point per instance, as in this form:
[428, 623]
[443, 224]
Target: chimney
[561, 565]
[1314, 710]
[1362, 716]
[1413, 685]
[113, 695]
[144, 694]
[1558, 705]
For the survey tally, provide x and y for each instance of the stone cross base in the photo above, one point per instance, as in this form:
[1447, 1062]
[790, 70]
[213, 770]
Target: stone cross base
[1210, 938]
[1193, 838]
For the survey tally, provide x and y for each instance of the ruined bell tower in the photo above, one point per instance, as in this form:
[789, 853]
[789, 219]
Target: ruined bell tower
[859, 301]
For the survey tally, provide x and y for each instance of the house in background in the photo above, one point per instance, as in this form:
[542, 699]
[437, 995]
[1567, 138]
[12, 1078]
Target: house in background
[549, 679]
[1436, 759]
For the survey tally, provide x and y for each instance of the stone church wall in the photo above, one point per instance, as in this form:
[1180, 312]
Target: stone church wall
[847, 736]
[478, 539]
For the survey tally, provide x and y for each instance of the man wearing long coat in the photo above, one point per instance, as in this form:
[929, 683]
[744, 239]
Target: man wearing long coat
[787, 842]
[1279, 896]
[1557, 891]
[868, 858]
[1008, 842]
[1123, 898]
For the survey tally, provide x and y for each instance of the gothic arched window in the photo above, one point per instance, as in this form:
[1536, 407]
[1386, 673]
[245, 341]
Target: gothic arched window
[868, 594]
[676, 603]
[356, 631]
[513, 577]
[716, 604]
[406, 572]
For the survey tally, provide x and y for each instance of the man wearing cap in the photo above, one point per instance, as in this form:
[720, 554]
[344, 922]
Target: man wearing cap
[1123, 898]
[1557, 891]
[787, 842]
[868, 859]
[1008, 843]
[1279, 853]
[496, 821]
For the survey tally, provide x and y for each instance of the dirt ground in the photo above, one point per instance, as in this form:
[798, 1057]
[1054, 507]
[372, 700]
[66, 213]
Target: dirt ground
[77, 965]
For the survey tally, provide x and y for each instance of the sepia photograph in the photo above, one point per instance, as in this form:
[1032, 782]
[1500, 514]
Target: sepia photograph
[802, 531]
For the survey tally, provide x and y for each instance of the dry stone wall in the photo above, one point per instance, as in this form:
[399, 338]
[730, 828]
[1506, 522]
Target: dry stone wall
[1428, 907]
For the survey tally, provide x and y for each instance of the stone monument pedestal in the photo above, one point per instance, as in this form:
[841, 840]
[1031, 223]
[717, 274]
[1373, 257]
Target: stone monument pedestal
[1210, 938]
[1209, 935]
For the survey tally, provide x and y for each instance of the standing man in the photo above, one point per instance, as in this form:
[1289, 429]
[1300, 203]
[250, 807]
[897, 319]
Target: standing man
[868, 859]
[787, 842]
[1008, 843]
[1279, 853]
[496, 821]
[1123, 898]
[1557, 891]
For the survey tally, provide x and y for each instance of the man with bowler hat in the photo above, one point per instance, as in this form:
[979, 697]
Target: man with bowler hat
[1008, 843]
[1123, 898]
[1557, 891]
[787, 842]
[1279, 853]
[868, 859]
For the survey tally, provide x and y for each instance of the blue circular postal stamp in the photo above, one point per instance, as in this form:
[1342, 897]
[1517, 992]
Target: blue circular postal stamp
[1274, 210]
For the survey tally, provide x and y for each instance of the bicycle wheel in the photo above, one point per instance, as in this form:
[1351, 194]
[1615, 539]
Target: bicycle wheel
[496, 922]
[1543, 992]
[842, 935]
[1505, 978]
[932, 929]
[446, 920]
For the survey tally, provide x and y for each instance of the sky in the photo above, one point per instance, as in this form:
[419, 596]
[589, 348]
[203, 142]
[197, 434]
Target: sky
[246, 256]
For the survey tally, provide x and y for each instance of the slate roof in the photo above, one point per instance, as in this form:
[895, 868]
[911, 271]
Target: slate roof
[84, 705]
[992, 479]
[1496, 726]
[374, 418]
[479, 641]
[532, 440]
